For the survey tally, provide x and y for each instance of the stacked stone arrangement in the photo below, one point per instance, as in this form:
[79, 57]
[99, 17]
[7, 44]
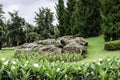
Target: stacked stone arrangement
[65, 44]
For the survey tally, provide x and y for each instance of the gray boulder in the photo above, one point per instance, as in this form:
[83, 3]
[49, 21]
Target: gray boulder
[74, 47]
[46, 42]
[79, 40]
[50, 49]
[29, 46]
[62, 41]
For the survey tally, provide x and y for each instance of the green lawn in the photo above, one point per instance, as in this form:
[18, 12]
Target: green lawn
[6, 53]
[95, 50]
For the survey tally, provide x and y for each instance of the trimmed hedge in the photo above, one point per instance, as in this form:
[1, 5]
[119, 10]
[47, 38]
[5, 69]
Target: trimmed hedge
[112, 45]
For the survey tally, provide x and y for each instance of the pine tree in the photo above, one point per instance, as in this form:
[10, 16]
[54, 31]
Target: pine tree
[16, 25]
[60, 9]
[44, 19]
[111, 19]
[2, 28]
[69, 12]
[89, 13]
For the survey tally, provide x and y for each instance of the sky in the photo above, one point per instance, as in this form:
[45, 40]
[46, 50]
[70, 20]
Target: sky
[27, 8]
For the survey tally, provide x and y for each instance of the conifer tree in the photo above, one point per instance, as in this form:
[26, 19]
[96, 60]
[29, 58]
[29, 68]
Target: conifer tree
[69, 12]
[44, 19]
[2, 27]
[111, 19]
[16, 25]
[60, 9]
[90, 18]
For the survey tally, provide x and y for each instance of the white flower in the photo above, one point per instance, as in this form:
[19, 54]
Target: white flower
[108, 59]
[13, 67]
[36, 65]
[3, 59]
[110, 67]
[118, 60]
[5, 63]
[52, 64]
[100, 59]
[27, 62]
[14, 62]
[58, 69]
[94, 61]
[99, 63]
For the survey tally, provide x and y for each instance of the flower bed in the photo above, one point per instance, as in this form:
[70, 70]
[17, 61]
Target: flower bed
[21, 69]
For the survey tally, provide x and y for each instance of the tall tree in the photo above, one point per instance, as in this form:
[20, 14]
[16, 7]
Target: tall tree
[60, 9]
[30, 33]
[90, 18]
[2, 27]
[16, 29]
[44, 19]
[111, 19]
[69, 12]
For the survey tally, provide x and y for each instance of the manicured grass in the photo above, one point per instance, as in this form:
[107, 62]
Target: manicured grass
[6, 53]
[95, 50]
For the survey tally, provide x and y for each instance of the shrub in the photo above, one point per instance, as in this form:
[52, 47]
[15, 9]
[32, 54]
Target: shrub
[51, 57]
[112, 45]
[20, 69]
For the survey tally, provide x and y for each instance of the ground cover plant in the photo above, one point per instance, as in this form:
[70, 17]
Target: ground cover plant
[20, 69]
[53, 57]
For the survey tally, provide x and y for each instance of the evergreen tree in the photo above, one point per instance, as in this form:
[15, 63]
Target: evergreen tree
[2, 28]
[111, 19]
[16, 25]
[85, 19]
[31, 33]
[89, 18]
[60, 9]
[69, 12]
[44, 19]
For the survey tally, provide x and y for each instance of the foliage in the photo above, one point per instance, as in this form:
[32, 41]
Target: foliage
[69, 12]
[16, 35]
[60, 9]
[44, 19]
[20, 69]
[2, 28]
[111, 19]
[79, 18]
[49, 57]
[89, 18]
[30, 33]
[112, 45]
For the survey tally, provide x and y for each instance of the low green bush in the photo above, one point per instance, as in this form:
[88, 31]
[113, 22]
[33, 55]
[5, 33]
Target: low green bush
[53, 57]
[21, 69]
[112, 45]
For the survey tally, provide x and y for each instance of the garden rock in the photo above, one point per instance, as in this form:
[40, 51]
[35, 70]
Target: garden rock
[74, 47]
[62, 41]
[65, 44]
[46, 42]
[50, 49]
[29, 46]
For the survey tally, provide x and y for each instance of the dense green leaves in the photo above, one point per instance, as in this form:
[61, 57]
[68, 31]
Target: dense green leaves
[111, 19]
[112, 45]
[44, 19]
[60, 9]
[16, 25]
[2, 28]
[81, 18]
[18, 69]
